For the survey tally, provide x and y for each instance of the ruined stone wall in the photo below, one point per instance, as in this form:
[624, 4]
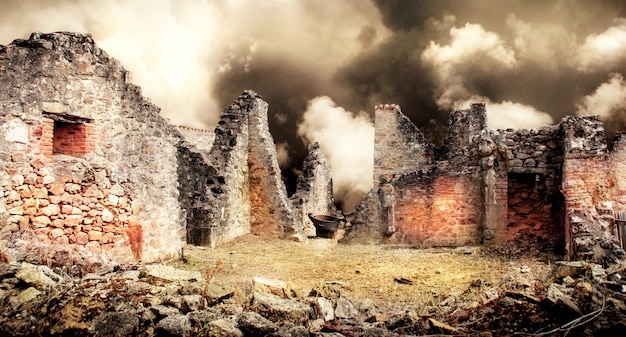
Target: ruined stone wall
[618, 160]
[114, 194]
[422, 201]
[198, 138]
[528, 164]
[399, 146]
[271, 208]
[314, 192]
[219, 210]
[588, 190]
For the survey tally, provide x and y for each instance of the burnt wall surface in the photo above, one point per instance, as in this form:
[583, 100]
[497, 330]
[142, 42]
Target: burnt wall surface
[116, 195]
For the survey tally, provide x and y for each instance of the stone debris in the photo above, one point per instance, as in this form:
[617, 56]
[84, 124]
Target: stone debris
[111, 303]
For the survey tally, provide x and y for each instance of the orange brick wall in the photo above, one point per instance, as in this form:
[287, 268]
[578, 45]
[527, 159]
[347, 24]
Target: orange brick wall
[442, 212]
[73, 139]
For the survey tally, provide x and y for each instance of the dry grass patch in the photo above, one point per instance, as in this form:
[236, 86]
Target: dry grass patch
[364, 271]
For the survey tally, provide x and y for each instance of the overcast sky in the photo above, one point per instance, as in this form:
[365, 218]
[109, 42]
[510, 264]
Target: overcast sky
[323, 64]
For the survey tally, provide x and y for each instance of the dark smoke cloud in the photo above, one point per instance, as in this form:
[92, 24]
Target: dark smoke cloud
[323, 65]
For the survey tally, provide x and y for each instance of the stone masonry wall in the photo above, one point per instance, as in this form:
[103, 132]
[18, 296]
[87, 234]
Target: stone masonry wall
[218, 207]
[399, 146]
[529, 205]
[271, 209]
[588, 189]
[114, 195]
[423, 201]
[199, 138]
[314, 192]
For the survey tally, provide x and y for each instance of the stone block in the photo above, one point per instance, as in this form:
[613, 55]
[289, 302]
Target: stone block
[51, 210]
[66, 209]
[41, 221]
[82, 238]
[55, 233]
[57, 188]
[95, 236]
[279, 309]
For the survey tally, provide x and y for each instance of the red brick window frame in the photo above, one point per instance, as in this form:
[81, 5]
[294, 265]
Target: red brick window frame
[67, 135]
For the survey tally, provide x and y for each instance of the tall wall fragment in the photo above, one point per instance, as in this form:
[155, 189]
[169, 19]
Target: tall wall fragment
[399, 146]
[588, 189]
[271, 209]
[314, 192]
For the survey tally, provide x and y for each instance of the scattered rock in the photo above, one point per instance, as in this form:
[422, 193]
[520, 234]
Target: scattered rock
[116, 324]
[556, 298]
[253, 324]
[24, 297]
[216, 292]
[276, 287]
[224, 328]
[279, 309]
[37, 276]
[176, 325]
[324, 308]
[345, 309]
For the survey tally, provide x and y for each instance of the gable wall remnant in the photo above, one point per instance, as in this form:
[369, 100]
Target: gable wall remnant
[110, 191]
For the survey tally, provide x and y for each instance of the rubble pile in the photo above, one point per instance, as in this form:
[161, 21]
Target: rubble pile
[578, 299]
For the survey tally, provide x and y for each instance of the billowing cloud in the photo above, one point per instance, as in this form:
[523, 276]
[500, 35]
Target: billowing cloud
[609, 98]
[547, 44]
[347, 140]
[470, 46]
[606, 49]
[282, 154]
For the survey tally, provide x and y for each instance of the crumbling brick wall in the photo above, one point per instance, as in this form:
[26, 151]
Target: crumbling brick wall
[548, 189]
[110, 187]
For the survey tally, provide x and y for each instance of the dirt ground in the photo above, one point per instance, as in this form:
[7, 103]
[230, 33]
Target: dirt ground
[392, 277]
